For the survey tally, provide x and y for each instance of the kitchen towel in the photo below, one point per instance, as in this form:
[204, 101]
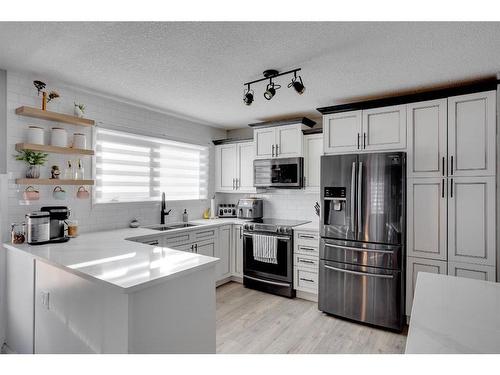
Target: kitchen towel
[265, 248]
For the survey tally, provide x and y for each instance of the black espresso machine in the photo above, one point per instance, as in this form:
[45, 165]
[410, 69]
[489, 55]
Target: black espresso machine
[58, 217]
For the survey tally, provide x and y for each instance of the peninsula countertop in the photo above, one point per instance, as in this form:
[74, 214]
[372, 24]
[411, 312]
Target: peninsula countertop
[454, 315]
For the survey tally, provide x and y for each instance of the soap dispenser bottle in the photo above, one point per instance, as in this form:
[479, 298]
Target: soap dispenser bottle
[185, 216]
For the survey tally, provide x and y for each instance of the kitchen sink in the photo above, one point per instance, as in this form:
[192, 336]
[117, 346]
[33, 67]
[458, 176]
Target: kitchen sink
[170, 226]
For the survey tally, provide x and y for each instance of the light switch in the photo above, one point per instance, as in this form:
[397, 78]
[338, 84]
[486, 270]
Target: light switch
[45, 299]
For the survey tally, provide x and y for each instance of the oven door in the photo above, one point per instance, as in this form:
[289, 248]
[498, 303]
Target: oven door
[282, 173]
[283, 270]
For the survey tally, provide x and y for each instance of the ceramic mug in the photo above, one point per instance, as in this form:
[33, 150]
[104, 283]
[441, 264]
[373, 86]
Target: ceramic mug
[59, 193]
[31, 194]
[82, 193]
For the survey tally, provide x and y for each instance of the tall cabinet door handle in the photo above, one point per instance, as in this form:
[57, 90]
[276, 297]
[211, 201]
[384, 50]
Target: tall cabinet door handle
[233, 183]
[442, 189]
[364, 140]
[272, 152]
[360, 193]
[359, 135]
[277, 150]
[443, 164]
[451, 188]
[451, 165]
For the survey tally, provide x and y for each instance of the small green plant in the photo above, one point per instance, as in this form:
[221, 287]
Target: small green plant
[81, 106]
[32, 157]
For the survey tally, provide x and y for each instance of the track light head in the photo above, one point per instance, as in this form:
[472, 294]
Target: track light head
[297, 84]
[248, 96]
[271, 90]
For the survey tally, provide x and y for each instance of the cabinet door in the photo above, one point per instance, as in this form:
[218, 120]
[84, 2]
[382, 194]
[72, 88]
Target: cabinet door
[427, 224]
[246, 155]
[471, 220]
[189, 247]
[471, 271]
[264, 143]
[472, 134]
[237, 251]
[342, 132]
[427, 138]
[384, 128]
[414, 266]
[205, 248]
[225, 167]
[289, 141]
[312, 157]
[223, 252]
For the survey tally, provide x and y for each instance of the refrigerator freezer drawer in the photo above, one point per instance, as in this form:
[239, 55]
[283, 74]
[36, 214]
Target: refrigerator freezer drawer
[364, 294]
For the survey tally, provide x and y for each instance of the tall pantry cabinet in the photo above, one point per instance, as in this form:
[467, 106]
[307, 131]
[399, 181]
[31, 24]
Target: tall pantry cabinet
[451, 197]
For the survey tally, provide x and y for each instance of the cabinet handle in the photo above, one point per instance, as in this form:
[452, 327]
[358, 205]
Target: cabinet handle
[443, 165]
[152, 243]
[307, 248]
[358, 140]
[196, 247]
[272, 151]
[451, 188]
[442, 189]
[237, 182]
[308, 280]
[451, 165]
[306, 236]
[277, 150]
[241, 233]
[306, 261]
[364, 141]
[192, 248]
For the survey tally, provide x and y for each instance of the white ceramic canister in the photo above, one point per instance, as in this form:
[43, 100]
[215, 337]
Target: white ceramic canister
[79, 140]
[35, 135]
[59, 137]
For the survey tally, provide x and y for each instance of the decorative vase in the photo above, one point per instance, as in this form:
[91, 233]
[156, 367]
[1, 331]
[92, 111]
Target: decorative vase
[78, 112]
[44, 101]
[33, 171]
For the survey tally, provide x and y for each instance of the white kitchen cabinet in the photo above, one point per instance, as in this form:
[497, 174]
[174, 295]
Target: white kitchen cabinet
[234, 167]
[306, 263]
[416, 265]
[472, 134]
[278, 141]
[384, 128]
[206, 247]
[313, 149]
[223, 252]
[342, 132]
[225, 167]
[427, 138]
[237, 251]
[472, 271]
[471, 220]
[427, 218]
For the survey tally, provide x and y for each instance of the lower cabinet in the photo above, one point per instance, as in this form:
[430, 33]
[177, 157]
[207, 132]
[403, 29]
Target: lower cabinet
[306, 263]
[223, 252]
[237, 251]
[416, 265]
[471, 271]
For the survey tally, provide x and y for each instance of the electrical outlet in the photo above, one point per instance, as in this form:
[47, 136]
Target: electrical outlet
[45, 299]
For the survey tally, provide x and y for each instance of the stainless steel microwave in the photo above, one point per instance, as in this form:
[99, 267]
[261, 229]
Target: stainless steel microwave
[279, 173]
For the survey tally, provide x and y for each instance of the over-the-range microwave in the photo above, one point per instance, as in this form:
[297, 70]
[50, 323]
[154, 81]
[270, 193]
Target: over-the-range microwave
[279, 173]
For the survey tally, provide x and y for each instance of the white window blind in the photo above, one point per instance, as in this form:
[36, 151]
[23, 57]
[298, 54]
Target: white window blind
[133, 168]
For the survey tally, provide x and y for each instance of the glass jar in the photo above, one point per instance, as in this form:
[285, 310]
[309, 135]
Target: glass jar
[72, 228]
[17, 233]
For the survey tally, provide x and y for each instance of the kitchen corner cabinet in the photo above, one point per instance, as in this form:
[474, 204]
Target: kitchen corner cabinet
[313, 149]
[234, 167]
[223, 252]
[278, 141]
[375, 129]
[237, 251]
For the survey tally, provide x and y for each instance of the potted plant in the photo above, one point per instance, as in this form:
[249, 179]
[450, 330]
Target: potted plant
[34, 160]
[79, 109]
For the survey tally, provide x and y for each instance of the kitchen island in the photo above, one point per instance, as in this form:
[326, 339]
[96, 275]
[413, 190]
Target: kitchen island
[101, 293]
[454, 315]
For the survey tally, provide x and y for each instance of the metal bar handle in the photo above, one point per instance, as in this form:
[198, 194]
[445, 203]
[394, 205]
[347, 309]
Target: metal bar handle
[277, 237]
[451, 162]
[266, 281]
[308, 280]
[306, 261]
[358, 140]
[360, 273]
[443, 164]
[451, 188]
[241, 232]
[360, 193]
[360, 249]
[442, 189]
[277, 150]
[272, 151]
[364, 141]
[353, 192]
[306, 236]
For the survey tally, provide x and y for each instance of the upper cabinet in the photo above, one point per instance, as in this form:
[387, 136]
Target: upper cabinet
[234, 167]
[313, 149]
[265, 143]
[365, 130]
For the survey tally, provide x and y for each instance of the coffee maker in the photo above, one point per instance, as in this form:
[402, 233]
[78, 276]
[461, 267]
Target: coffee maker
[58, 217]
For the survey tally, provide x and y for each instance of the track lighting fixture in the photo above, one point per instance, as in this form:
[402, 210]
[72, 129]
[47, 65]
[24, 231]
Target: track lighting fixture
[270, 74]
[248, 96]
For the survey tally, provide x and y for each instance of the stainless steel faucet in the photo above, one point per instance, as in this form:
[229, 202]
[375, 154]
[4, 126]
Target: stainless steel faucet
[163, 211]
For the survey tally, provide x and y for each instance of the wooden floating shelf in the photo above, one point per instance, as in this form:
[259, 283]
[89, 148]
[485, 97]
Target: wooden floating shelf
[53, 149]
[53, 116]
[52, 181]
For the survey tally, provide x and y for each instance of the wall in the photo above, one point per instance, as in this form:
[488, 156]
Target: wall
[3, 195]
[106, 111]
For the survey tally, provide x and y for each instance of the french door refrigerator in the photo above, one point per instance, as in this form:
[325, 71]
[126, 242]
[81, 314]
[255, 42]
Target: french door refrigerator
[362, 246]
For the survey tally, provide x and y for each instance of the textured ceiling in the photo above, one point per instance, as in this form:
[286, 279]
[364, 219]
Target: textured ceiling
[196, 69]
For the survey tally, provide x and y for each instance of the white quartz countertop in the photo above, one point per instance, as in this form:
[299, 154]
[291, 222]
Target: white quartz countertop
[454, 315]
[108, 257]
[312, 226]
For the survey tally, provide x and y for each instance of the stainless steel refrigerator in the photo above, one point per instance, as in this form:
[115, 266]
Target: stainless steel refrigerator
[362, 246]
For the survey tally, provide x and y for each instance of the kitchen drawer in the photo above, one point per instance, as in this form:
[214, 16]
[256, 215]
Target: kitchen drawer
[204, 234]
[305, 280]
[177, 238]
[311, 250]
[306, 261]
[307, 238]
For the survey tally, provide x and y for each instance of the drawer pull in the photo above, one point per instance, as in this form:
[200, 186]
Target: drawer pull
[306, 236]
[307, 248]
[308, 280]
[306, 261]
[152, 242]
[204, 234]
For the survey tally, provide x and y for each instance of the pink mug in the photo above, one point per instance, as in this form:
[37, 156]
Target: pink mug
[31, 194]
[82, 193]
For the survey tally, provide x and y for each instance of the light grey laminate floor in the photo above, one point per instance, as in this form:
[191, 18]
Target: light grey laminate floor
[249, 321]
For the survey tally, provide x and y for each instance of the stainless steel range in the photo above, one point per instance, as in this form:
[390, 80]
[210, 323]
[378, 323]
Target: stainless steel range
[268, 255]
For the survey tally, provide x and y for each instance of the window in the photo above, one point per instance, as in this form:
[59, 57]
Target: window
[133, 168]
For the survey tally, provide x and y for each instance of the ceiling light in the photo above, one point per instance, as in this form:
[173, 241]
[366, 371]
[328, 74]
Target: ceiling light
[270, 90]
[248, 96]
[297, 84]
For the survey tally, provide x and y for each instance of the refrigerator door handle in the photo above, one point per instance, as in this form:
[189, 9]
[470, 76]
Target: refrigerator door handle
[360, 191]
[353, 195]
[360, 249]
[360, 273]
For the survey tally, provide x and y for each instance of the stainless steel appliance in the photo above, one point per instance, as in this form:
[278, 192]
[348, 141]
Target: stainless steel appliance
[276, 278]
[37, 228]
[362, 246]
[58, 216]
[226, 210]
[279, 173]
[250, 208]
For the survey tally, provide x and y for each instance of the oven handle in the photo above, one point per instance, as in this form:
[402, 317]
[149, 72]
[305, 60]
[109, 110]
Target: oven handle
[360, 273]
[359, 249]
[266, 281]
[277, 237]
